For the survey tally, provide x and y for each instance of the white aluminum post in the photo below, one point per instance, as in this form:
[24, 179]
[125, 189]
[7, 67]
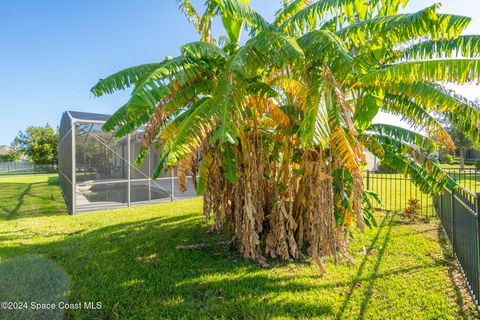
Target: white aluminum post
[128, 170]
[149, 176]
[74, 167]
[172, 195]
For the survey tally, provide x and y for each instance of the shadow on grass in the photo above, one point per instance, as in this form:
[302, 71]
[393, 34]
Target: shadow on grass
[21, 200]
[18, 199]
[462, 294]
[135, 270]
[388, 223]
[32, 279]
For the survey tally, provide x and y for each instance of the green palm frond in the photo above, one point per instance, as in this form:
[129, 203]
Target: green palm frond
[423, 172]
[458, 71]
[383, 42]
[314, 129]
[463, 46]
[451, 26]
[415, 113]
[417, 116]
[179, 68]
[192, 129]
[289, 10]
[146, 77]
[305, 15]
[444, 99]
[324, 46]
[129, 112]
[277, 47]
[203, 173]
[229, 100]
[190, 12]
[262, 89]
[429, 181]
[388, 7]
[404, 135]
[311, 17]
[200, 50]
[268, 47]
[124, 79]
[396, 28]
[134, 120]
[403, 27]
[367, 107]
[411, 152]
[183, 97]
[241, 11]
[137, 111]
[433, 97]
[372, 144]
[286, 114]
[229, 163]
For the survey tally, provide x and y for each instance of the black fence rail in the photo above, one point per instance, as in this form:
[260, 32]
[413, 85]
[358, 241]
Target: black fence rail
[395, 190]
[469, 178]
[458, 211]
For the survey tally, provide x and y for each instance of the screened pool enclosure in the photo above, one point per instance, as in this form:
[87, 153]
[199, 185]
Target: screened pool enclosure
[97, 171]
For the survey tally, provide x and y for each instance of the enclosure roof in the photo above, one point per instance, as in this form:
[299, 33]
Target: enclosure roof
[86, 116]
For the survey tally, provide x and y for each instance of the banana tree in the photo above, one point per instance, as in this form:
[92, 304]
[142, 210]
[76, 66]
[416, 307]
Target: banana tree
[276, 127]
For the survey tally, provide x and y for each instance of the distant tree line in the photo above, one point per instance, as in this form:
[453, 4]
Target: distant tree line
[38, 144]
[12, 156]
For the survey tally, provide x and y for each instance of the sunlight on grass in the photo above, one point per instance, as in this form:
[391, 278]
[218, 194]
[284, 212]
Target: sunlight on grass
[128, 259]
[395, 190]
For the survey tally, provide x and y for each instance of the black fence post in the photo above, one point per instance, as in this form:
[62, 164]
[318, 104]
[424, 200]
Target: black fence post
[439, 199]
[452, 207]
[477, 210]
[368, 179]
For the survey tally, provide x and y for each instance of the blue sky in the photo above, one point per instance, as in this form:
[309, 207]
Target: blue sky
[53, 51]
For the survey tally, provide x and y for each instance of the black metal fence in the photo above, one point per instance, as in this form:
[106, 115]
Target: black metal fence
[395, 190]
[13, 168]
[458, 211]
[468, 178]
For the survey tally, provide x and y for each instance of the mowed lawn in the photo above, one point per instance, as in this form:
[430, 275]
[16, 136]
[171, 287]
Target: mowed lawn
[129, 261]
[395, 189]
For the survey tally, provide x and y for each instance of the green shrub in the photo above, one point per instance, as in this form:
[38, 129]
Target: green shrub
[471, 162]
[11, 156]
[446, 158]
[384, 167]
[477, 164]
[413, 208]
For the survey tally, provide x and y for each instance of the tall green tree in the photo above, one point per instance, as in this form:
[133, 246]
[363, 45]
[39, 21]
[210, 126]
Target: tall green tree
[12, 156]
[276, 127]
[462, 142]
[39, 144]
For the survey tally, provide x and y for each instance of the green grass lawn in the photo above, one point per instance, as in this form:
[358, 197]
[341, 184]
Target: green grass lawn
[395, 190]
[467, 179]
[128, 260]
[455, 166]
